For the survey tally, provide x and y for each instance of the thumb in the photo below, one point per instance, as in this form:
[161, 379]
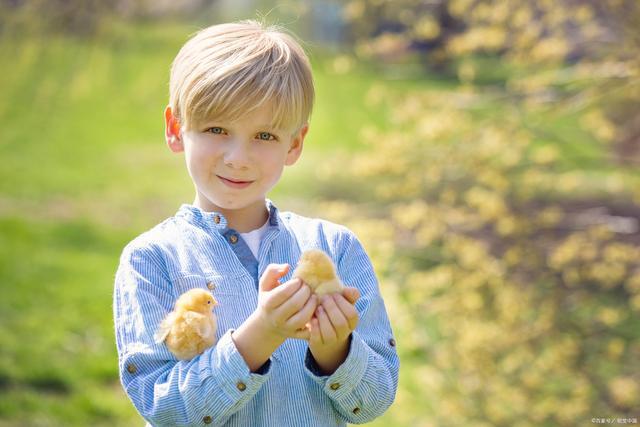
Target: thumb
[272, 273]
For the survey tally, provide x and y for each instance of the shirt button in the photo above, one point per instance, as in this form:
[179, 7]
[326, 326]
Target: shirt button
[335, 386]
[207, 420]
[131, 368]
[211, 285]
[241, 386]
[216, 219]
[233, 239]
[356, 410]
[392, 342]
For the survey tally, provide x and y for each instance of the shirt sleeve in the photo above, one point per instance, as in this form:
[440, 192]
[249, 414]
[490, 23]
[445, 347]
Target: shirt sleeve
[364, 386]
[207, 389]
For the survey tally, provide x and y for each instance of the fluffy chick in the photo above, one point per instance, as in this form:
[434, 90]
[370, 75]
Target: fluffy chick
[316, 269]
[191, 327]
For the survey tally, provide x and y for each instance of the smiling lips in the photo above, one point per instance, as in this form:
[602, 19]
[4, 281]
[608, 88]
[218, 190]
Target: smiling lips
[234, 183]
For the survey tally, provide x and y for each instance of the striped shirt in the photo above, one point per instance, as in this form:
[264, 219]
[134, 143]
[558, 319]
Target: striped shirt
[196, 249]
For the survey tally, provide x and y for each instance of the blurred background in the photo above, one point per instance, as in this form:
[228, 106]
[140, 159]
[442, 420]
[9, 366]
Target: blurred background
[486, 153]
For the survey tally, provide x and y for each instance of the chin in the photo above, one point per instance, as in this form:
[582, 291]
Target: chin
[230, 204]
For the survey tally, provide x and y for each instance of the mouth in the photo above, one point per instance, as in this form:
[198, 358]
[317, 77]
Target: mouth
[234, 183]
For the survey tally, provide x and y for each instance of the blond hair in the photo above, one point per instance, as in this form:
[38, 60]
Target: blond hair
[228, 70]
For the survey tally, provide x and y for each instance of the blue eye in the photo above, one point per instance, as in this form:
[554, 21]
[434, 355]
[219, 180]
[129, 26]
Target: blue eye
[216, 130]
[266, 136]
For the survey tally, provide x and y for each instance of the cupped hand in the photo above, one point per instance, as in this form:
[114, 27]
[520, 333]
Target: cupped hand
[335, 318]
[285, 308]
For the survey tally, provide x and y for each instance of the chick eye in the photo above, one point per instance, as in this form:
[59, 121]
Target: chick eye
[266, 136]
[208, 301]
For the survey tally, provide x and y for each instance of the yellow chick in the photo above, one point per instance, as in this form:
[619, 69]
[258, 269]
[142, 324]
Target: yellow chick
[191, 327]
[316, 269]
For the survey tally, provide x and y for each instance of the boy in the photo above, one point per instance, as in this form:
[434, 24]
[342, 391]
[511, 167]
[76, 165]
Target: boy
[240, 98]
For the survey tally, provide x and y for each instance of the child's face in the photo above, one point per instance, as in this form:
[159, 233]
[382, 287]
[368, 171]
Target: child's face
[234, 164]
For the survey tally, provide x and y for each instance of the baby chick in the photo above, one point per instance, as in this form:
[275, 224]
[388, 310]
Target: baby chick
[191, 327]
[316, 269]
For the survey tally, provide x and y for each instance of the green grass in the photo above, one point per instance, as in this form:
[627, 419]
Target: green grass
[57, 358]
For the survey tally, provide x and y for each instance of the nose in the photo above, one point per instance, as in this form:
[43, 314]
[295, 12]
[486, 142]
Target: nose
[237, 154]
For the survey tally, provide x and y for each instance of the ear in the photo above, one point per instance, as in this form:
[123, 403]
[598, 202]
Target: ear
[172, 131]
[296, 145]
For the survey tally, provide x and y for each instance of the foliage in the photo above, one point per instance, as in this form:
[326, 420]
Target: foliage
[588, 46]
[517, 282]
[517, 273]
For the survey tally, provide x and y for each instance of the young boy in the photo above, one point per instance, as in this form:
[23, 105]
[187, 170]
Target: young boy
[240, 98]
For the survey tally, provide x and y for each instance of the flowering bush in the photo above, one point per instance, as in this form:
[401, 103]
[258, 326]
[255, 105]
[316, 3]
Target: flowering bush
[513, 283]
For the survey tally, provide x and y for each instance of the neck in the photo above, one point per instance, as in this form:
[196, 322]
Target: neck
[242, 220]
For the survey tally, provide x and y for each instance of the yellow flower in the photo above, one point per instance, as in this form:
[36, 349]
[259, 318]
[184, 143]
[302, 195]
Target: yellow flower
[596, 123]
[545, 155]
[354, 9]
[471, 301]
[489, 204]
[459, 8]
[615, 348]
[342, 64]
[609, 316]
[633, 283]
[426, 28]
[550, 216]
[466, 72]
[624, 391]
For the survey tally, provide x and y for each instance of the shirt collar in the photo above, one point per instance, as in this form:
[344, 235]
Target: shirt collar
[217, 221]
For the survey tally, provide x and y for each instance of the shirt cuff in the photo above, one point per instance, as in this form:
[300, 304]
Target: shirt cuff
[231, 371]
[348, 375]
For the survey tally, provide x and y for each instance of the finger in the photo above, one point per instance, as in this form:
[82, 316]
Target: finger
[348, 310]
[327, 332]
[315, 339]
[272, 273]
[298, 319]
[337, 319]
[351, 294]
[283, 293]
[294, 304]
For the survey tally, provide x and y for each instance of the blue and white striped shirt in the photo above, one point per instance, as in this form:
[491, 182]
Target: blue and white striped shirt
[195, 249]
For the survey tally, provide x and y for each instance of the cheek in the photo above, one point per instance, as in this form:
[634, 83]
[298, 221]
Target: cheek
[272, 162]
[200, 156]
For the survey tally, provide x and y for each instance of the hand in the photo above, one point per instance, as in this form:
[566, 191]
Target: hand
[284, 309]
[330, 329]
[351, 294]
